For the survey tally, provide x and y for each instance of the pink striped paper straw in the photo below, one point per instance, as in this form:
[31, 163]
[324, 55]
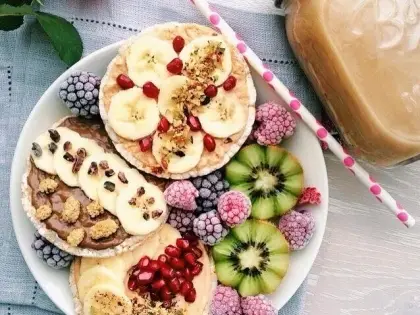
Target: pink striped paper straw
[349, 162]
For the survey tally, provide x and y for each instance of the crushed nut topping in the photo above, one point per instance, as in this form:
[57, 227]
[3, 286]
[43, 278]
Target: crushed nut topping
[67, 146]
[227, 140]
[174, 142]
[81, 152]
[103, 229]
[36, 149]
[104, 165]
[54, 135]
[77, 164]
[93, 168]
[146, 216]
[150, 200]
[186, 99]
[109, 173]
[48, 185]
[110, 186]
[68, 157]
[141, 191]
[76, 236]
[94, 209]
[43, 212]
[145, 306]
[203, 62]
[71, 211]
[52, 147]
[132, 201]
[122, 178]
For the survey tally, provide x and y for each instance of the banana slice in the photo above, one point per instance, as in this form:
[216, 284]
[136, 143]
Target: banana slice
[141, 208]
[167, 103]
[94, 276]
[196, 56]
[91, 172]
[133, 115]
[65, 158]
[147, 60]
[115, 264]
[106, 299]
[178, 161]
[224, 116]
[107, 198]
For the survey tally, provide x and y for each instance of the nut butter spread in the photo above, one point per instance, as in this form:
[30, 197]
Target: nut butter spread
[363, 59]
[93, 130]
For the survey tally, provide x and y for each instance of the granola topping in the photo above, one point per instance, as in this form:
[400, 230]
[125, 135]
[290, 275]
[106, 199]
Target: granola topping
[43, 212]
[122, 178]
[48, 185]
[76, 236]
[94, 209]
[71, 211]
[54, 135]
[52, 147]
[103, 229]
[93, 168]
[104, 165]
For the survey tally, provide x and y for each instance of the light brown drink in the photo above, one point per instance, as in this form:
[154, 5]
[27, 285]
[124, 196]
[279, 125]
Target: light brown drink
[363, 58]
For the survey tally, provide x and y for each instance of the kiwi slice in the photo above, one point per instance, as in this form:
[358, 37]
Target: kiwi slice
[270, 176]
[253, 258]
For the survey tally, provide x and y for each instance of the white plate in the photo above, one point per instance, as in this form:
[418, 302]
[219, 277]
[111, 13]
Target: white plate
[49, 109]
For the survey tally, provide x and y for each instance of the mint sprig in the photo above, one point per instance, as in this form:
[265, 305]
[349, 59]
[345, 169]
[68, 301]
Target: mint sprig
[62, 34]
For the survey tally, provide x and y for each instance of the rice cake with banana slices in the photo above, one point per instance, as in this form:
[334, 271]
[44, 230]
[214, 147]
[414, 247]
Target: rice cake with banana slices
[197, 112]
[107, 280]
[71, 188]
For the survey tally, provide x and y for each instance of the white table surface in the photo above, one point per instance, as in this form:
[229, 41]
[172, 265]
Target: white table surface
[369, 263]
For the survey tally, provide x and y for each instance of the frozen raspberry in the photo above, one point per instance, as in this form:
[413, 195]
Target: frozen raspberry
[274, 123]
[226, 301]
[310, 195]
[181, 194]
[257, 305]
[298, 228]
[234, 208]
[209, 228]
[181, 220]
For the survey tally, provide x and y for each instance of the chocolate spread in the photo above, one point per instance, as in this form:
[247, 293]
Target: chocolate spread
[93, 130]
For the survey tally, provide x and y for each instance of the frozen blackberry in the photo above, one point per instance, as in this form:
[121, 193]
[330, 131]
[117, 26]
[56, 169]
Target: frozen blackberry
[181, 220]
[209, 228]
[52, 255]
[80, 93]
[210, 188]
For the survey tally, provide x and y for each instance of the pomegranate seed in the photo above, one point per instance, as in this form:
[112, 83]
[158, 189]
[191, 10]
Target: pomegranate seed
[145, 277]
[154, 265]
[174, 285]
[158, 284]
[181, 280]
[187, 274]
[154, 296]
[190, 259]
[145, 144]
[163, 125]
[176, 263]
[179, 274]
[136, 271]
[163, 258]
[144, 262]
[132, 283]
[167, 272]
[196, 270]
[192, 238]
[198, 253]
[182, 243]
[211, 90]
[125, 82]
[194, 123]
[150, 90]
[175, 66]
[173, 251]
[186, 287]
[178, 43]
[209, 142]
[191, 296]
[165, 294]
[230, 83]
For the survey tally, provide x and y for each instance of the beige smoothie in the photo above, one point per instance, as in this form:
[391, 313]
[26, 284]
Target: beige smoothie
[363, 59]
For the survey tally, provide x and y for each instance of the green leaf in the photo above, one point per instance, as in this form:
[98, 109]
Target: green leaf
[63, 35]
[8, 10]
[10, 23]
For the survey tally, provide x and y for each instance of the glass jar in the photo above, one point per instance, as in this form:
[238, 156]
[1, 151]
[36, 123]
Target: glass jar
[363, 59]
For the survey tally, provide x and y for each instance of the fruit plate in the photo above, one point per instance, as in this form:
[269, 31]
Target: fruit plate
[49, 109]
